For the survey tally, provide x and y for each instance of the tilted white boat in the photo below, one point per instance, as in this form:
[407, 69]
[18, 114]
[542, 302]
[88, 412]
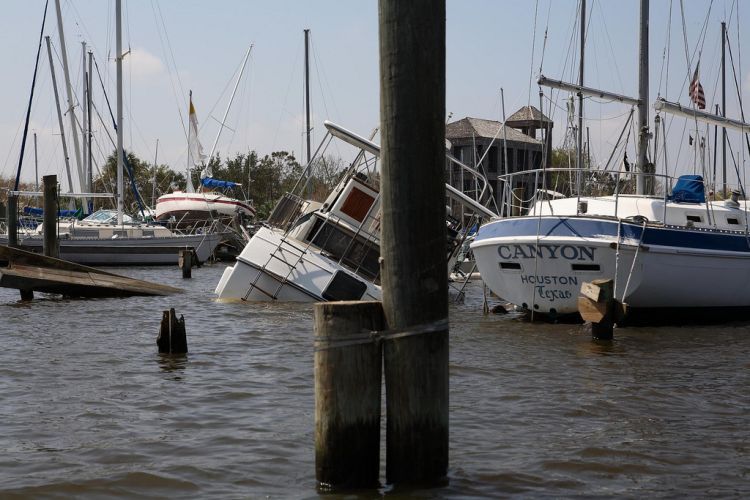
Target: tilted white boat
[313, 251]
[186, 209]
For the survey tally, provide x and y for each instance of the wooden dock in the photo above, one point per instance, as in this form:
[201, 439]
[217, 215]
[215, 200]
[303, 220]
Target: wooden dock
[30, 272]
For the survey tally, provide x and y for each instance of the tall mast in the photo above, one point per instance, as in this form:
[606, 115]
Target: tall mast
[59, 115]
[69, 90]
[579, 152]
[723, 107]
[307, 92]
[153, 178]
[231, 99]
[89, 107]
[36, 166]
[118, 60]
[85, 129]
[643, 100]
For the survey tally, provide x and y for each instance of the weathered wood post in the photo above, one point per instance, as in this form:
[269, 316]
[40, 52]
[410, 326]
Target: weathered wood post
[348, 375]
[597, 305]
[413, 239]
[12, 216]
[50, 243]
[185, 262]
[172, 338]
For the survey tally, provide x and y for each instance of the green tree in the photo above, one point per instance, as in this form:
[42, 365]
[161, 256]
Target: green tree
[106, 182]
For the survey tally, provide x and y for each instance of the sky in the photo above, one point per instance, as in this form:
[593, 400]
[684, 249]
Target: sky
[180, 45]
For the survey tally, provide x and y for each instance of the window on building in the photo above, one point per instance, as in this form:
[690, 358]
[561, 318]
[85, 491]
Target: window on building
[492, 157]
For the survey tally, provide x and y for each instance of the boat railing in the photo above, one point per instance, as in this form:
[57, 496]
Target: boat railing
[286, 211]
[521, 190]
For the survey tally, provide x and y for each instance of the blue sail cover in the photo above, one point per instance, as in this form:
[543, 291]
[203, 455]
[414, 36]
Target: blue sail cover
[688, 189]
[38, 212]
[210, 182]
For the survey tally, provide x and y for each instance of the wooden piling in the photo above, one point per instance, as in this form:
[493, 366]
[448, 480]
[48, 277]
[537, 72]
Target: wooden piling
[172, 338]
[12, 219]
[185, 262]
[50, 244]
[597, 305]
[348, 374]
[413, 236]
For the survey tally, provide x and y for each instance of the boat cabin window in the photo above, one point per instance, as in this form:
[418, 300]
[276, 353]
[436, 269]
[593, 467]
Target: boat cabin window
[694, 218]
[733, 221]
[148, 233]
[356, 253]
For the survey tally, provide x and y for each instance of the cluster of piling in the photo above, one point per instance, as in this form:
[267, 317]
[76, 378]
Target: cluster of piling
[408, 333]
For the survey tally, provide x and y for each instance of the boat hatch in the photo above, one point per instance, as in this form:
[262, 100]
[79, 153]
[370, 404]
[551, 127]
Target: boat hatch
[344, 287]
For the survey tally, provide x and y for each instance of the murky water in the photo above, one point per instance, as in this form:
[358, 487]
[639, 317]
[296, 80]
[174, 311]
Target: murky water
[89, 409]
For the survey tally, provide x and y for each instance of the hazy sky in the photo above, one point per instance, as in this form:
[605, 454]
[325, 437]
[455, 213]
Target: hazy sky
[178, 45]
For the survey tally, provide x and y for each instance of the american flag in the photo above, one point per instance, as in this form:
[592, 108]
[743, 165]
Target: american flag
[696, 90]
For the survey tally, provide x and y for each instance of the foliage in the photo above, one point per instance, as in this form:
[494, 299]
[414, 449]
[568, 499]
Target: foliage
[262, 180]
[106, 182]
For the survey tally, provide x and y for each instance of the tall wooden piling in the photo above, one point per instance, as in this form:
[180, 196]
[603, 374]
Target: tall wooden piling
[50, 243]
[348, 374]
[12, 219]
[413, 239]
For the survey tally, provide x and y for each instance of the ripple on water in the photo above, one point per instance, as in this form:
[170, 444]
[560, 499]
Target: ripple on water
[90, 409]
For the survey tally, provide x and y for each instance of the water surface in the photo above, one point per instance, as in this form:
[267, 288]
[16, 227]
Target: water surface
[88, 408]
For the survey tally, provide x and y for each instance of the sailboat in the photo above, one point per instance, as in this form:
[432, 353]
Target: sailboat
[185, 209]
[677, 253]
[111, 237]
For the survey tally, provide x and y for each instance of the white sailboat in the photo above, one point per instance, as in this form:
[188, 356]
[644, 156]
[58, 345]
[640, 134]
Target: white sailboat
[184, 209]
[679, 252]
[110, 237]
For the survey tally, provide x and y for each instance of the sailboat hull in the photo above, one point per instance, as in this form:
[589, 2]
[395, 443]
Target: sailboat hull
[129, 251]
[653, 266]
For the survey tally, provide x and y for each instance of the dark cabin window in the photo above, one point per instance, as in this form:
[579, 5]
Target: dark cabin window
[694, 218]
[731, 220]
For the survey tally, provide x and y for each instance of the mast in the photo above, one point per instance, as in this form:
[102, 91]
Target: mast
[307, 92]
[59, 115]
[153, 178]
[231, 99]
[642, 100]
[85, 130]
[89, 107]
[724, 106]
[579, 152]
[69, 90]
[118, 60]
[36, 166]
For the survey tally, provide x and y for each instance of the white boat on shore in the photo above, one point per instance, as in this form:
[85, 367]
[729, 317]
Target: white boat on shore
[184, 209]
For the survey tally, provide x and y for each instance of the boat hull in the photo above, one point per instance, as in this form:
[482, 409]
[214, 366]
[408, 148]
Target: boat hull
[129, 251]
[275, 267]
[654, 267]
[189, 209]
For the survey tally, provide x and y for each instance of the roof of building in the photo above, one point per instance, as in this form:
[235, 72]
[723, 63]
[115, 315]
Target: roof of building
[468, 127]
[527, 114]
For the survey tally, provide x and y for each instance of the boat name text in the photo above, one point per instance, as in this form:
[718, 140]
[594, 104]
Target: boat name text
[568, 252]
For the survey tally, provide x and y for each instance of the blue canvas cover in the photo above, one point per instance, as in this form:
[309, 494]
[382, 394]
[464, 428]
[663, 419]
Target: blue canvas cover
[210, 182]
[38, 212]
[688, 189]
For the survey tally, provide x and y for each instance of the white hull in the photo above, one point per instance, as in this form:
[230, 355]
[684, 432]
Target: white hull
[127, 251]
[192, 207]
[674, 267]
[275, 267]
